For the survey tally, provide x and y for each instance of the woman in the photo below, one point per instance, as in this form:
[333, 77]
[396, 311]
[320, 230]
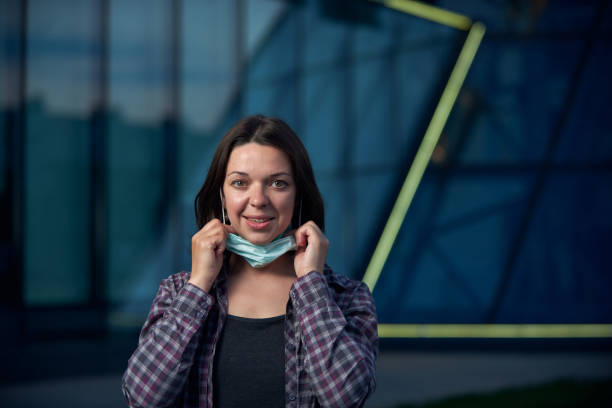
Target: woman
[260, 320]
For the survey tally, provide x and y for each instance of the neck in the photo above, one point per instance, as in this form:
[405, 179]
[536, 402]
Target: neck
[281, 267]
[261, 292]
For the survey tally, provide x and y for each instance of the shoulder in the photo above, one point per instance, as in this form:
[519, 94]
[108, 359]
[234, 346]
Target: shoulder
[343, 286]
[340, 282]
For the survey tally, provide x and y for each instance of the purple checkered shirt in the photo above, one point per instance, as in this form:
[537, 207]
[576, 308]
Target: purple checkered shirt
[331, 344]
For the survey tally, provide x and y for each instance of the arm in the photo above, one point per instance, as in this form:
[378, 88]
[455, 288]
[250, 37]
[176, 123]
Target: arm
[158, 369]
[341, 346]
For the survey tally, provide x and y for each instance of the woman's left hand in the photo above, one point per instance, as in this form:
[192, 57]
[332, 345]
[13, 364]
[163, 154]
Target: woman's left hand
[312, 249]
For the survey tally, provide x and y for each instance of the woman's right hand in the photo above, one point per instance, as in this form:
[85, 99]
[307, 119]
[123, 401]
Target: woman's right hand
[207, 246]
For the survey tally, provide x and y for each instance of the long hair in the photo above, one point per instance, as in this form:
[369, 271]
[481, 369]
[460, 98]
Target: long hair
[269, 132]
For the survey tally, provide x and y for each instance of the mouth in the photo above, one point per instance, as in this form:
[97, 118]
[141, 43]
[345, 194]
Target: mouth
[258, 222]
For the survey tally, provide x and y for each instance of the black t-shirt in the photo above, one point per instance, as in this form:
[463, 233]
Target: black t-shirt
[249, 367]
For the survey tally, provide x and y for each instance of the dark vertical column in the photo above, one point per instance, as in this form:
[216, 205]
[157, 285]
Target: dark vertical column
[172, 135]
[392, 64]
[298, 76]
[241, 60]
[16, 135]
[98, 176]
[349, 84]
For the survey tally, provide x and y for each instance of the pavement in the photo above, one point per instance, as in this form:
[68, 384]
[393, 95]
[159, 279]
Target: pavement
[402, 377]
[418, 377]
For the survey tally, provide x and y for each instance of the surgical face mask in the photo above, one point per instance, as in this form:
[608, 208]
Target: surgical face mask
[259, 256]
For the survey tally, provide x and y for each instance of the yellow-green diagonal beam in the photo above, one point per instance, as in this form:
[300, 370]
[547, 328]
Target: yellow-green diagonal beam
[423, 155]
[429, 12]
[509, 331]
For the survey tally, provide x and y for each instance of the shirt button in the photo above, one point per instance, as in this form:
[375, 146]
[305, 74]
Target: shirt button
[291, 397]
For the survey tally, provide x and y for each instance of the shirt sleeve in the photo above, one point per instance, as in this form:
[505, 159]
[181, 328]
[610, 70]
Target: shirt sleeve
[158, 369]
[341, 345]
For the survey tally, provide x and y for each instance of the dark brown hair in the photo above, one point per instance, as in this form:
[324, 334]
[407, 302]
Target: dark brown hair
[269, 132]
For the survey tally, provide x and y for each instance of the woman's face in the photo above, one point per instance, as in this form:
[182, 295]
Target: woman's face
[259, 192]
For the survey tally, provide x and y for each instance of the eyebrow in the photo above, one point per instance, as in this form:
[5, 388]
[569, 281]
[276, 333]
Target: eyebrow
[242, 173]
[282, 173]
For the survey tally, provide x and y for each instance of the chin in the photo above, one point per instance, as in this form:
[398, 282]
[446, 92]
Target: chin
[260, 241]
[258, 238]
[261, 237]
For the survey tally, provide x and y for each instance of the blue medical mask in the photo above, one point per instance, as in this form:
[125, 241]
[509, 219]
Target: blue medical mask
[259, 256]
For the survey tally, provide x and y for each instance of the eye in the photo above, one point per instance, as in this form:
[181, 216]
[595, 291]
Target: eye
[238, 183]
[279, 184]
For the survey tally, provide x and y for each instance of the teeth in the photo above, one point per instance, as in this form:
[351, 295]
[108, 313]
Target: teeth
[258, 220]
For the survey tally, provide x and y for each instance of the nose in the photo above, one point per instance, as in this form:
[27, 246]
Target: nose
[258, 196]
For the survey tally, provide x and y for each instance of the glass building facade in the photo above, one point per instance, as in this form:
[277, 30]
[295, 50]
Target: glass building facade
[110, 112]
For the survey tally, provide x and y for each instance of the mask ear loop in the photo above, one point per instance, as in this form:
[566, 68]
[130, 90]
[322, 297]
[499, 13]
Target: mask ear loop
[300, 216]
[222, 206]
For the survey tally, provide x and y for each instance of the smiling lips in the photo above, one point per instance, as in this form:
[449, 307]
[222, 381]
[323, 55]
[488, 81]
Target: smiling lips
[258, 223]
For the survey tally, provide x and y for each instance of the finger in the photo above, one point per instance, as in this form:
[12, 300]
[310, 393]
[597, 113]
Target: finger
[311, 234]
[212, 223]
[220, 248]
[302, 235]
[216, 234]
[229, 229]
[314, 227]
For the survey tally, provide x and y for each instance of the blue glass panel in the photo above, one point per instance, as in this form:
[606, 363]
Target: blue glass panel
[401, 269]
[139, 240]
[61, 65]
[210, 63]
[138, 250]
[523, 87]
[263, 16]
[352, 216]
[334, 210]
[452, 248]
[370, 40]
[62, 58]
[9, 55]
[373, 141]
[573, 16]
[57, 208]
[278, 56]
[276, 98]
[513, 18]
[563, 270]
[324, 127]
[325, 40]
[365, 215]
[586, 137]
[421, 72]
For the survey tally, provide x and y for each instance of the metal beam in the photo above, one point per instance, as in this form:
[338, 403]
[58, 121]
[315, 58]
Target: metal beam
[429, 12]
[505, 331]
[423, 155]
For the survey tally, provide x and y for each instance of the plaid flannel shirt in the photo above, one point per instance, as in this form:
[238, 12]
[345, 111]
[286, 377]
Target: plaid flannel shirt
[331, 344]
